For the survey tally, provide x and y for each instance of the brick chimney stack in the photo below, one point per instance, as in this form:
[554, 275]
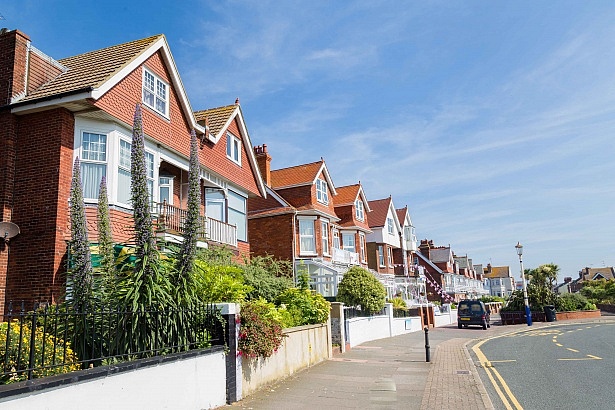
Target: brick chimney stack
[14, 47]
[264, 163]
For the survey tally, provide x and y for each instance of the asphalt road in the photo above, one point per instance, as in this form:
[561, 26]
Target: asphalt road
[563, 366]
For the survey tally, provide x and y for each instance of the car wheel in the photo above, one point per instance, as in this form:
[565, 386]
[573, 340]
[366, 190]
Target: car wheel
[484, 325]
[466, 326]
[488, 324]
[458, 325]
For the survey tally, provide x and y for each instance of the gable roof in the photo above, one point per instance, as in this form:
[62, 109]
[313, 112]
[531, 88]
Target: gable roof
[301, 175]
[217, 120]
[90, 75]
[347, 195]
[272, 204]
[379, 211]
[441, 254]
[429, 262]
[497, 272]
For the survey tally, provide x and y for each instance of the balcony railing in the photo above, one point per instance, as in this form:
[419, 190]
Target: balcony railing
[345, 257]
[172, 219]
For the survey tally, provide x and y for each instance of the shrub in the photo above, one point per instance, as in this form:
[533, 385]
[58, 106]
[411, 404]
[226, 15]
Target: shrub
[219, 283]
[488, 299]
[359, 287]
[398, 303]
[266, 276]
[261, 329]
[62, 353]
[304, 307]
[573, 301]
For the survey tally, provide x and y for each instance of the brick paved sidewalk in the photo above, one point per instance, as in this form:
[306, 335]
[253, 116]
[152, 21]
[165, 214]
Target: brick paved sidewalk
[453, 381]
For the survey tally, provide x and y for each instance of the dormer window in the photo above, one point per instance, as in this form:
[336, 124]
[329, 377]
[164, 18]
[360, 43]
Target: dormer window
[359, 212]
[233, 148]
[390, 226]
[155, 93]
[321, 191]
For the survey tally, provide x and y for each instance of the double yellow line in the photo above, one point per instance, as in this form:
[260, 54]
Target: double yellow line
[508, 398]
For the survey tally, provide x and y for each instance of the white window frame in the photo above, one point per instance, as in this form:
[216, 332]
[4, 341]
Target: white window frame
[233, 148]
[236, 197]
[381, 257]
[336, 239]
[390, 226]
[324, 235]
[150, 163]
[390, 256]
[155, 92]
[354, 242]
[359, 210]
[322, 194]
[86, 161]
[362, 245]
[309, 223]
[166, 184]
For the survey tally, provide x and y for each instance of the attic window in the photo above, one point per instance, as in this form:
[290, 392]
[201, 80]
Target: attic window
[359, 209]
[390, 226]
[233, 148]
[155, 93]
[321, 191]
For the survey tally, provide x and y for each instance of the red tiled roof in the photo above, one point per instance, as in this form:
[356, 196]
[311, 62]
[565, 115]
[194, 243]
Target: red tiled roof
[297, 175]
[216, 117]
[380, 208]
[401, 214]
[347, 195]
[92, 69]
[497, 272]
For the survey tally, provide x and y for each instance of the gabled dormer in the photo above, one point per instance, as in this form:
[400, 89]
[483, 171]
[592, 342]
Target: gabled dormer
[384, 222]
[307, 187]
[409, 242]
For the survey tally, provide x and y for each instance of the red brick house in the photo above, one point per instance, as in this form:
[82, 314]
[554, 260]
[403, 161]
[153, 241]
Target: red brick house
[385, 238]
[299, 221]
[449, 277]
[54, 111]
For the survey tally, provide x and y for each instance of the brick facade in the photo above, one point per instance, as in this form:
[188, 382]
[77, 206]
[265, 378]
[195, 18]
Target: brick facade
[41, 188]
[272, 236]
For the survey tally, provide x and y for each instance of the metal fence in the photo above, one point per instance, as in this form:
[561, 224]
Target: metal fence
[352, 311]
[51, 340]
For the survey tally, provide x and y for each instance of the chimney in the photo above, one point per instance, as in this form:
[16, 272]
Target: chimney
[14, 47]
[264, 163]
[567, 279]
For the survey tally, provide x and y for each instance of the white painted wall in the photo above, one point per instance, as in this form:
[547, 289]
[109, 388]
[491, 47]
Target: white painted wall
[194, 383]
[303, 346]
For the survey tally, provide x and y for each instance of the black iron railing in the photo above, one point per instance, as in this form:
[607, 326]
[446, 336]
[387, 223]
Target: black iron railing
[352, 311]
[51, 340]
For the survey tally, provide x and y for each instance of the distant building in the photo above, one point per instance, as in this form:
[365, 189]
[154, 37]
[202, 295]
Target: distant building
[498, 280]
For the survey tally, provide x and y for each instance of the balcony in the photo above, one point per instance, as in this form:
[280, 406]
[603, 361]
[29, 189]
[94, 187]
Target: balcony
[172, 219]
[345, 257]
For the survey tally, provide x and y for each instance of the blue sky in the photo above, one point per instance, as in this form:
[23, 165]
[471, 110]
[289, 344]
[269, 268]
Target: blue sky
[493, 121]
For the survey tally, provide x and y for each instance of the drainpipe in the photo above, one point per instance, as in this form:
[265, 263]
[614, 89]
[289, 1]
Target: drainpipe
[294, 245]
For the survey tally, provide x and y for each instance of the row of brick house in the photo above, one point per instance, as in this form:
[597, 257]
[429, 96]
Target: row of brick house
[53, 111]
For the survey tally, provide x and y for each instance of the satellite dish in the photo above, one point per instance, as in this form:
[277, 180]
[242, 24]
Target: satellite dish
[8, 230]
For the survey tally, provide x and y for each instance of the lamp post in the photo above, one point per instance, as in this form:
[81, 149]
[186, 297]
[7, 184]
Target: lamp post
[528, 313]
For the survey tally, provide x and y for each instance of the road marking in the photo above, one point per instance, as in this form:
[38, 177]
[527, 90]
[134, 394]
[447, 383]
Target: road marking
[594, 357]
[558, 344]
[502, 361]
[572, 350]
[589, 357]
[490, 372]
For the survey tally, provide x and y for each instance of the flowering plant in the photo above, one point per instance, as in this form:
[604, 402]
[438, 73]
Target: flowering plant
[260, 334]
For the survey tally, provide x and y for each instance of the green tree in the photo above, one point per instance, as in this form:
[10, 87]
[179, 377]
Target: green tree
[360, 288]
[80, 273]
[105, 243]
[267, 276]
[184, 286]
[543, 276]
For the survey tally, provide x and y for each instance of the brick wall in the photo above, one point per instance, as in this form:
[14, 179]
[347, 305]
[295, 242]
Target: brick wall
[272, 236]
[13, 52]
[44, 147]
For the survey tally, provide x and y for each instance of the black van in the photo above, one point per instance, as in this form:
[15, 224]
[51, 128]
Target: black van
[473, 312]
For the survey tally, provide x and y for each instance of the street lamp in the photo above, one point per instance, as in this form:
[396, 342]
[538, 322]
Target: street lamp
[528, 313]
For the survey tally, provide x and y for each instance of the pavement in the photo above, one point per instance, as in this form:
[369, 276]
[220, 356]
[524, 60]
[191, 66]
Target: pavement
[390, 373]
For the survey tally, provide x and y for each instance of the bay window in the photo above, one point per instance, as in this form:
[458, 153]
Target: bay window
[237, 214]
[324, 226]
[123, 173]
[93, 163]
[362, 246]
[348, 241]
[307, 244]
[381, 255]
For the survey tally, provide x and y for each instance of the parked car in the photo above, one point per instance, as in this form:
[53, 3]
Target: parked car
[473, 312]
